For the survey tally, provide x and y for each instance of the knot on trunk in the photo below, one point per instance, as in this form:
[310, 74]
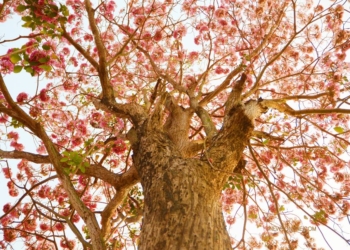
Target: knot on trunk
[254, 108]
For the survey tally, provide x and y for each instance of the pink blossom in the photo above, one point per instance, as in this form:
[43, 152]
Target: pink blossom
[13, 135]
[59, 226]
[119, 146]
[88, 38]
[3, 118]
[6, 207]
[219, 70]
[77, 141]
[193, 56]
[179, 32]
[6, 65]
[220, 13]
[44, 96]
[17, 146]
[34, 111]
[22, 97]
[203, 28]
[157, 36]
[7, 172]
[9, 235]
[223, 22]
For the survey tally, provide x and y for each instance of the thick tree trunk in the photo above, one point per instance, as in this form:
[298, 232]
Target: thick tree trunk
[182, 199]
[182, 195]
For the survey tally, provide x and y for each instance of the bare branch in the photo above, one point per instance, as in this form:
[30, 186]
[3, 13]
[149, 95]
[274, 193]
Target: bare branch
[118, 181]
[235, 96]
[20, 37]
[80, 49]
[109, 211]
[281, 106]
[16, 111]
[107, 89]
[133, 111]
[36, 158]
[222, 86]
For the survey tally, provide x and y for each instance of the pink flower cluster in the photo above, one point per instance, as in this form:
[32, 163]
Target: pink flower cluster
[13, 136]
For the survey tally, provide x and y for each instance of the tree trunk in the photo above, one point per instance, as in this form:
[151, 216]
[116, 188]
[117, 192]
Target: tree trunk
[182, 195]
[182, 199]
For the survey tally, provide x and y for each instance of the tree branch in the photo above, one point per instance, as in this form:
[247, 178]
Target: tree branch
[235, 96]
[158, 71]
[119, 181]
[222, 86]
[80, 49]
[55, 158]
[15, 110]
[107, 89]
[281, 106]
[15, 154]
[132, 111]
[109, 211]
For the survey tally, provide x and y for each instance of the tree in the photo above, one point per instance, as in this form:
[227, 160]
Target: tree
[176, 116]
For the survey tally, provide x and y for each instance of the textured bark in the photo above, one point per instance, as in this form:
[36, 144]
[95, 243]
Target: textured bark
[182, 201]
[182, 194]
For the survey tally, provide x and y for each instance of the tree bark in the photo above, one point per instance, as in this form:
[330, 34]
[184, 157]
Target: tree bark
[182, 207]
[182, 200]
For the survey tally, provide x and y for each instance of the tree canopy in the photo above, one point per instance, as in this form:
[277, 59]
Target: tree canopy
[103, 68]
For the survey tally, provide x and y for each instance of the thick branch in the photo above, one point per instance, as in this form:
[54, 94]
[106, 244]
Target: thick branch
[39, 159]
[133, 111]
[109, 210]
[208, 124]
[261, 134]
[119, 181]
[107, 90]
[281, 106]
[235, 96]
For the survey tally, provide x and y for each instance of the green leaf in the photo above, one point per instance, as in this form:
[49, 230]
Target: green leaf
[339, 129]
[45, 67]
[27, 18]
[44, 59]
[51, 25]
[265, 142]
[66, 171]
[64, 159]
[70, 163]
[22, 7]
[53, 7]
[66, 153]
[27, 24]
[15, 58]
[52, 14]
[82, 169]
[29, 69]
[46, 47]
[16, 124]
[17, 69]
[64, 10]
